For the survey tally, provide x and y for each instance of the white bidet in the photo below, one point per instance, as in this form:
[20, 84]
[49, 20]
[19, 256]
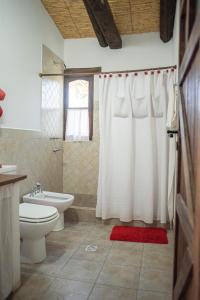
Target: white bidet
[59, 200]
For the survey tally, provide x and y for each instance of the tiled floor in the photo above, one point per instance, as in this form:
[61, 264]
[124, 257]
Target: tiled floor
[116, 271]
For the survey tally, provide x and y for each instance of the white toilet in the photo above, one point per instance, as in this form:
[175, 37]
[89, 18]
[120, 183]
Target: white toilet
[59, 200]
[35, 222]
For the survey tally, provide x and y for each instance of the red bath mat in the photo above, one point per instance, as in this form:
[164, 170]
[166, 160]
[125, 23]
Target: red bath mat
[139, 234]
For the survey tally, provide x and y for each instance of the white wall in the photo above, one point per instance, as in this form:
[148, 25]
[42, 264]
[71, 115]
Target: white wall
[139, 51]
[25, 26]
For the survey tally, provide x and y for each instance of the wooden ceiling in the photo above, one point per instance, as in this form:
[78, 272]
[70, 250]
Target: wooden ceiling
[131, 16]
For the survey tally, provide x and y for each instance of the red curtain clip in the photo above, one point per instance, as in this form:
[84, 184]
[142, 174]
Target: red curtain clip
[135, 74]
[110, 75]
[99, 76]
[105, 76]
[126, 75]
[146, 73]
[119, 75]
[152, 72]
[172, 70]
[158, 71]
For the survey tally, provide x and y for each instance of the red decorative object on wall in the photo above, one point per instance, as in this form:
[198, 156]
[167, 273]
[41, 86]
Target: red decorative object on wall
[2, 97]
[2, 94]
[1, 111]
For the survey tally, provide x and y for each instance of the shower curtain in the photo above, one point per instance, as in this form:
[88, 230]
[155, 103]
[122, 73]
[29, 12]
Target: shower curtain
[134, 146]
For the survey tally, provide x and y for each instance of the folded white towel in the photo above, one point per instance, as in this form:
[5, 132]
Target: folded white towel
[121, 104]
[172, 111]
[156, 94]
[140, 92]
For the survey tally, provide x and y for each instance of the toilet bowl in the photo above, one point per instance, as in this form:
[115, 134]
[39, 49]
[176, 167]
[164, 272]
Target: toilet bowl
[59, 200]
[35, 222]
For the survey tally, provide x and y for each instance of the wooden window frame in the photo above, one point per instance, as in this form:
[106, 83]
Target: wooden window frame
[90, 79]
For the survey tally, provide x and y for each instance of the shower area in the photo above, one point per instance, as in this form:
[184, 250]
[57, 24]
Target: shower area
[126, 171]
[80, 170]
[75, 164]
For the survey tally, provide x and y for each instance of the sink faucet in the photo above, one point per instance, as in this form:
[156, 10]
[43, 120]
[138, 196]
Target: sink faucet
[37, 188]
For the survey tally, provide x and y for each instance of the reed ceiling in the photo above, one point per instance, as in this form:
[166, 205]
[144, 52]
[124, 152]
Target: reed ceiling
[131, 16]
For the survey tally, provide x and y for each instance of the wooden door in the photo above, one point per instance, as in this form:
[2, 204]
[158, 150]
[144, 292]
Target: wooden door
[187, 228]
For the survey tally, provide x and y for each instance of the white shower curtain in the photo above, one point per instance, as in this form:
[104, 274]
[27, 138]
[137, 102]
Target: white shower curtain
[134, 146]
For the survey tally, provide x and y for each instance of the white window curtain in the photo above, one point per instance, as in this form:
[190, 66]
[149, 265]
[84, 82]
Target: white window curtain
[77, 127]
[134, 147]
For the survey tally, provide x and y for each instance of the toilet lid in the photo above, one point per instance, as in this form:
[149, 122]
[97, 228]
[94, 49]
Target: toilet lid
[36, 213]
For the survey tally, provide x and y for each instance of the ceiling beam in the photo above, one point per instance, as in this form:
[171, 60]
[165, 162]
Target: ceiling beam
[95, 25]
[167, 15]
[103, 23]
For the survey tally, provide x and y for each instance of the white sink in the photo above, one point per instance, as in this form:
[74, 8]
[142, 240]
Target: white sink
[8, 169]
[59, 200]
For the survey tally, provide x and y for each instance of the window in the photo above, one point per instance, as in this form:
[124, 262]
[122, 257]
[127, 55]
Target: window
[78, 108]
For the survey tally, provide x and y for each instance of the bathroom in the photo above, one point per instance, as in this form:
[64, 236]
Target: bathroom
[89, 190]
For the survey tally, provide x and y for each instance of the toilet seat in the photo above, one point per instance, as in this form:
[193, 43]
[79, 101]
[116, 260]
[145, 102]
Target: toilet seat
[34, 213]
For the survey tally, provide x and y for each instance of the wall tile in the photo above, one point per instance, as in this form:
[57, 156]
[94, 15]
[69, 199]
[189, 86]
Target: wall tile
[33, 154]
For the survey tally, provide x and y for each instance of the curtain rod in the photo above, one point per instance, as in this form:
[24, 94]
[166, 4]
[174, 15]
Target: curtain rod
[140, 70]
[111, 72]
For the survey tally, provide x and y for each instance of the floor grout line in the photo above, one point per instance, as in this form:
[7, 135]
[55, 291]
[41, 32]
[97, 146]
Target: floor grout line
[140, 271]
[95, 282]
